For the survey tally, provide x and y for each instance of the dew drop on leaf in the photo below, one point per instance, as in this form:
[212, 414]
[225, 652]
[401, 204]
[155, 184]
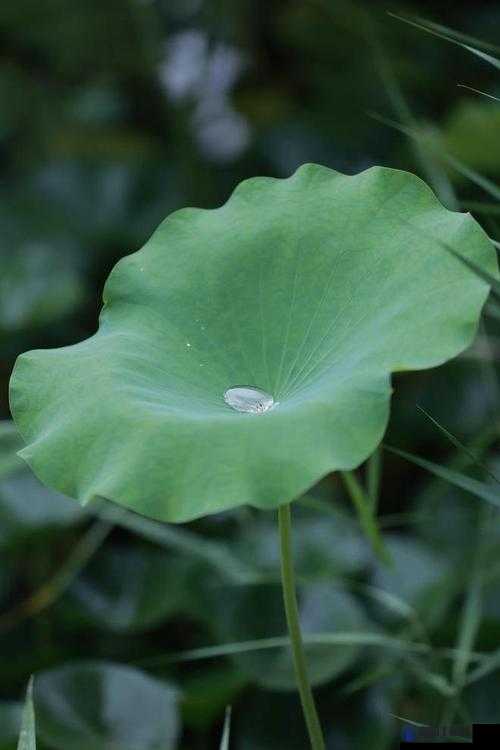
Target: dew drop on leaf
[248, 399]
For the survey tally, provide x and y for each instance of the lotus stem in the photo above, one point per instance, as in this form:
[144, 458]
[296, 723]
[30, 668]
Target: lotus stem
[292, 617]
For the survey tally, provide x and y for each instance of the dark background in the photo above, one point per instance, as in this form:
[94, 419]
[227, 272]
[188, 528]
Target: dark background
[113, 113]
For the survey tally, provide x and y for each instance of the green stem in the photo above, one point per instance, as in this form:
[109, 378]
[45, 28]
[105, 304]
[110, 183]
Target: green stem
[292, 616]
[373, 471]
[365, 510]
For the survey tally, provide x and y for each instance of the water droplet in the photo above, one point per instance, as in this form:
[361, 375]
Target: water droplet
[248, 399]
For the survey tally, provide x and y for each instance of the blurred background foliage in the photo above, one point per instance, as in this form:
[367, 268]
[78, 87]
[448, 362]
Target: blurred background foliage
[112, 114]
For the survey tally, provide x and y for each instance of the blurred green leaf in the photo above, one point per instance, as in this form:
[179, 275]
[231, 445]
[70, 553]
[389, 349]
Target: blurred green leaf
[214, 552]
[26, 506]
[326, 545]
[418, 577]
[10, 724]
[126, 42]
[270, 721]
[103, 705]
[482, 699]
[133, 588]
[107, 201]
[257, 612]
[469, 134]
[205, 695]
[55, 586]
[10, 443]
[37, 283]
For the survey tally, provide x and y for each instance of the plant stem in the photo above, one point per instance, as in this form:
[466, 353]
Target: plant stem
[292, 616]
[365, 510]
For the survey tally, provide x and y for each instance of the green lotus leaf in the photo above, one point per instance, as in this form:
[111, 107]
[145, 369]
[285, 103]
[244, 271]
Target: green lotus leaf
[312, 288]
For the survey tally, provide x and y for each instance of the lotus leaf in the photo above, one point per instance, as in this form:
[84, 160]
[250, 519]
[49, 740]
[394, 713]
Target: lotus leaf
[313, 289]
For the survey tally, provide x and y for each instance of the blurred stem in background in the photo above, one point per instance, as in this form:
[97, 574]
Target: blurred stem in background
[292, 616]
[470, 619]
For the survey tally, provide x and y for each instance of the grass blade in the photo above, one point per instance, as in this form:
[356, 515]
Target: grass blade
[27, 738]
[483, 182]
[431, 493]
[364, 509]
[477, 270]
[454, 37]
[409, 721]
[373, 477]
[479, 489]
[368, 678]
[456, 442]
[436, 681]
[478, 91]
[263, 644]
[366, 639]
[471, 620]
[459, 36]
[224, 745]
[487, 58]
